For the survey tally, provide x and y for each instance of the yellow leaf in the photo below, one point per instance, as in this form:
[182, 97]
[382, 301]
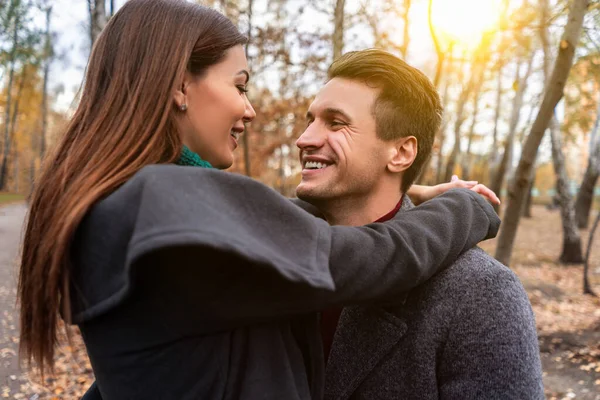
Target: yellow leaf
[564, 44]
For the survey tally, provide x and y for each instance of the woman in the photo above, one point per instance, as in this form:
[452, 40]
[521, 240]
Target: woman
[186, 282]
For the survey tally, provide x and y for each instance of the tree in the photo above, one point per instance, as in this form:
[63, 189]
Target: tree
[245, 138]
[466, 161]
[12, 60]
[587, 288]
[494, 161]
[406, 35]
[585, 196]
[98, 18]
[552, 95]
[48, 58]
[438, 48]
[521, 82]
[338, 30]
[477, 69]
[571, 251]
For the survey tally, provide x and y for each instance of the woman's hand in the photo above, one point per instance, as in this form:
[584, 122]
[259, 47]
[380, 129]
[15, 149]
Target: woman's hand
[420, 194]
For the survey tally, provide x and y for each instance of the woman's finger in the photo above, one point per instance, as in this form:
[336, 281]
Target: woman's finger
[486, 192]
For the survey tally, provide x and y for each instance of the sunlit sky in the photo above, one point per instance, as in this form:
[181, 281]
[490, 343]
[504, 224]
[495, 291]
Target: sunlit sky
[459, 20]
[462, 21]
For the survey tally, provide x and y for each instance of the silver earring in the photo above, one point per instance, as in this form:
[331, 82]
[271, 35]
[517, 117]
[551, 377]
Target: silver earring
[183, 107]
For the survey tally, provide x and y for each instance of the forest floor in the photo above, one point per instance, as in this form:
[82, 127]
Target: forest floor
[568, 322]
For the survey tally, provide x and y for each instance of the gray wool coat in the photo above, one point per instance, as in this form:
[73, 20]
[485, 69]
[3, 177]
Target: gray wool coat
[467, 333]
[190, 283]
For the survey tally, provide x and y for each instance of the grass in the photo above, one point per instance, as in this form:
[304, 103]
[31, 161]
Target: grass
[6, 198]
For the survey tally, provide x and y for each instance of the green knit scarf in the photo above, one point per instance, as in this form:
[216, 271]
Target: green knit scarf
[191, 159]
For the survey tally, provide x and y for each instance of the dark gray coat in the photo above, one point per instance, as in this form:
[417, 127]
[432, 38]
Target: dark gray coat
[191, 283]
[467, 333]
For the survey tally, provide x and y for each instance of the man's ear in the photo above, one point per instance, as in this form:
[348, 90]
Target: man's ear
[403, 154]
[179, 95]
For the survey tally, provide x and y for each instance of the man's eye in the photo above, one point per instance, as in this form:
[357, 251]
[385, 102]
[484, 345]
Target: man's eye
[336, 123]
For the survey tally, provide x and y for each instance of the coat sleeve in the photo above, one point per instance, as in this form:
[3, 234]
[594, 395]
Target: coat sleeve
[240, 253]
[492, 349]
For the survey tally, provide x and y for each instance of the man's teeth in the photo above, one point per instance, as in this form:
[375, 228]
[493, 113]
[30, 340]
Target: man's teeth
[314, 165]
[236, 135]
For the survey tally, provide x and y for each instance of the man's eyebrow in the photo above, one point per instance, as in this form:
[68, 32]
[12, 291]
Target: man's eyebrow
[331, 110]
[244, 72]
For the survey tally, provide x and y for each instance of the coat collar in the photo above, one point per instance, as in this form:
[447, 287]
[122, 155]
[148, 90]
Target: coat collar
[363, 337]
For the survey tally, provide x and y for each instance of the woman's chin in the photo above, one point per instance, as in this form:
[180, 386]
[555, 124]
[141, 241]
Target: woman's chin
[223, 162]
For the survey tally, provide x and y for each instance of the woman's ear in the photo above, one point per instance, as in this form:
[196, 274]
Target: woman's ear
[403, 154]
[180, 92]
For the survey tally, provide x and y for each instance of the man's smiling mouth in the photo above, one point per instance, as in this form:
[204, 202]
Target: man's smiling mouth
[314, 165]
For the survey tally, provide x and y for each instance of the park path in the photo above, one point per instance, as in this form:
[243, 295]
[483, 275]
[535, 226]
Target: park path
[11, 223]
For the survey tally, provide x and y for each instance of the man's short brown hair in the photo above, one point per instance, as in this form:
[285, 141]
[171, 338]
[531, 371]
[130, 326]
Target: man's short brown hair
[408, 104]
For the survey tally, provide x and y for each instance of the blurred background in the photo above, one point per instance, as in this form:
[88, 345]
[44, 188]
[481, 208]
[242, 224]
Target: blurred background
[520, 83]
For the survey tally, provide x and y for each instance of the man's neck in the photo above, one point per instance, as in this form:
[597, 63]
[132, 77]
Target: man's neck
[356, 211]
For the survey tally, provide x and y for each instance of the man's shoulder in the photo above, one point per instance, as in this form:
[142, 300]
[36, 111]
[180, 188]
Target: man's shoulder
[477, 264]
[475, 272]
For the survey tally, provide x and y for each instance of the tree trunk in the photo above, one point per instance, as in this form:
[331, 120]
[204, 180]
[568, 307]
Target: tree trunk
[571, 252]
[517, 104]
[97, 10]
[460, 119]
[587, 288]
[246, 135]
[553, 94]
[406, 35]
[477, 70]
[585, 196]
[338, 31]
[442, 131]
[526, 212]
[436, 44]
[11, 76]
[16, 170]
[48, 60]
[494, 159]
[440, 137]
[13, 128]
[466, 167]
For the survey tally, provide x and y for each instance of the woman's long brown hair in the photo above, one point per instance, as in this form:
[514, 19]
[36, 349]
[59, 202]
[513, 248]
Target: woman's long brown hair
[125, 120]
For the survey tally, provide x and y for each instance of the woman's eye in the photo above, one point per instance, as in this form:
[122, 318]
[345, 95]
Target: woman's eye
[242, 89]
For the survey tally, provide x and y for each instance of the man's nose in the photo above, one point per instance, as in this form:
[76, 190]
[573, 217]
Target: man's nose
[314, 136]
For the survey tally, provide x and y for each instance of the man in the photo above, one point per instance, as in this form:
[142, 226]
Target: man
[469, 332]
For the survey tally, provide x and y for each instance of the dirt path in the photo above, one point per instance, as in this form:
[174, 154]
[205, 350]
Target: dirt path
[11, 219]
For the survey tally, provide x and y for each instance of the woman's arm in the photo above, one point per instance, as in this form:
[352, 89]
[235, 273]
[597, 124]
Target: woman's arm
[420, 193]
[240, 252]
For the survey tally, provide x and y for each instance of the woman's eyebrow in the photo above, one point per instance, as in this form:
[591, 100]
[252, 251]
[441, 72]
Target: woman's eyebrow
[244, 72]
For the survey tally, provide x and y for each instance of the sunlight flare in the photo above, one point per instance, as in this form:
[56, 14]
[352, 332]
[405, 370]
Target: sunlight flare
[465, 21]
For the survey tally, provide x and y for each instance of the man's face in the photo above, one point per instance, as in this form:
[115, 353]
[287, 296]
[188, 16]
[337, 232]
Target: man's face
[340, 152]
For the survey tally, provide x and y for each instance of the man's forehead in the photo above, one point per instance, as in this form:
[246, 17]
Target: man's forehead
[343, 94]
